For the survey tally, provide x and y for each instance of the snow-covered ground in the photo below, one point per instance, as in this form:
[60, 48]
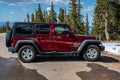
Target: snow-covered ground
[112, 47]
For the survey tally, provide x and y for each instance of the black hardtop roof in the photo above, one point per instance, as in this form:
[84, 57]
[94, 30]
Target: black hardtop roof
[36, 23]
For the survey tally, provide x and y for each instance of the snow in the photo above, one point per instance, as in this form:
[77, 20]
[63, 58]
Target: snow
[112, 47]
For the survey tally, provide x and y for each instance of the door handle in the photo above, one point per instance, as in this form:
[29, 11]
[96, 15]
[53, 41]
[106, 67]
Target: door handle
[58, 37]
[54, 38]
[39, 38]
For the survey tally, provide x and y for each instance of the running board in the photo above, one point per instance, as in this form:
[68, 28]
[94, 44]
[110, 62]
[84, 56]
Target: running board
[75, 53]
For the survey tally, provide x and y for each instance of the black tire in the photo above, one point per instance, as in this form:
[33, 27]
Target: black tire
[8, 38]
[92, 53]
[27, 56]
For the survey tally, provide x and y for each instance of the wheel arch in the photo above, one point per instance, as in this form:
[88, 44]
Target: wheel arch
[21, 43]
[86, 43]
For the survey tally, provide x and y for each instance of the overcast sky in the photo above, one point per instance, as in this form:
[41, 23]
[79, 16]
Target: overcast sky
[16, 10]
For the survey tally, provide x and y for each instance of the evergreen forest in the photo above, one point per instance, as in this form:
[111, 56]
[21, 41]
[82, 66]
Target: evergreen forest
[106, 18]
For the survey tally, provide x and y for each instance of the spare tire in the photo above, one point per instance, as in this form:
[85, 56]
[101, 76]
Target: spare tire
[8, 38]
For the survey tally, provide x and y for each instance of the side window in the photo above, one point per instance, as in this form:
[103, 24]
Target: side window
[24, 29]
[42, 29]
[61, 30]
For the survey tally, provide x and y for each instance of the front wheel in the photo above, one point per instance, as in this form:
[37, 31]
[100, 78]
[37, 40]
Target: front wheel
[92, 53]
[27, 54]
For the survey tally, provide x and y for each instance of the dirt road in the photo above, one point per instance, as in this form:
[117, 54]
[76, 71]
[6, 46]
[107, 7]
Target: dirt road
[57, 67]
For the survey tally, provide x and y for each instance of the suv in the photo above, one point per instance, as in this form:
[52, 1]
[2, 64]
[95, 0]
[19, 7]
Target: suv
[31, 39]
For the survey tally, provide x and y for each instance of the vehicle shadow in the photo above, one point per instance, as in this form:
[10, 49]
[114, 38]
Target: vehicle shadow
[107, 59]
[57, 58]
[104, 59]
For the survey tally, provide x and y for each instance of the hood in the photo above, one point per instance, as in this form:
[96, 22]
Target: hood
[84, 37]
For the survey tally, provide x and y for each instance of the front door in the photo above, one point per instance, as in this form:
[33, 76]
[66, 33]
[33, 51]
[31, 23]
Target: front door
[62, 40]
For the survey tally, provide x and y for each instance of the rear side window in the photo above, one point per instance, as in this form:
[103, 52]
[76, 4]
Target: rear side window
[24, 30]
[42, 29]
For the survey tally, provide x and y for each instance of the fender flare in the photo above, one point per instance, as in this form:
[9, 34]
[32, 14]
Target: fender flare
[85, 42]
[26, 42]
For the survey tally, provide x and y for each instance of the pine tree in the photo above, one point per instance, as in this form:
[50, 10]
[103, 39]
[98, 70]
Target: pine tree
[98, 26]
[65, 15]
[0, 30]
[52, 14]
[87, 26]
[44, 15]
[102, 19]
[32, 18]
[47, 17]
[68, 19]
[106, 20]
[3, 29]
[7, 26]
[28, 17]
[118, 16]
[61, 15]
[115, 20]
[39, 14]
[73, 15]
[80, 19]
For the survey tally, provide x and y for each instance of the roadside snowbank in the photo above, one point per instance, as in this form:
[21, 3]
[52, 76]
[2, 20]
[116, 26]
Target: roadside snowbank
[112, 48]
[1, 34]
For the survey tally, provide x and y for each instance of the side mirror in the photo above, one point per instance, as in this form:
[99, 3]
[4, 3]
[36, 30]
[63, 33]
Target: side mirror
[71, 34]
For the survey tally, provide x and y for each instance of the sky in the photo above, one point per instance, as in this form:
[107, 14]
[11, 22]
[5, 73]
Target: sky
[16, 10]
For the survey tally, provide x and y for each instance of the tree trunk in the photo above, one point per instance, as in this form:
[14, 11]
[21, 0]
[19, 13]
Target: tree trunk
[106, 27]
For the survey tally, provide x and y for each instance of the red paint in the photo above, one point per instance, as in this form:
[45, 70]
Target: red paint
[55, 42]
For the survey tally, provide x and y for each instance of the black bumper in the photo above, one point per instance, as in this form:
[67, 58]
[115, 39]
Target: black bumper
[12, 49]
[102, 48]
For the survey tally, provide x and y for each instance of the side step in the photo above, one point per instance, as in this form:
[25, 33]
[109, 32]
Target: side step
[72, 53]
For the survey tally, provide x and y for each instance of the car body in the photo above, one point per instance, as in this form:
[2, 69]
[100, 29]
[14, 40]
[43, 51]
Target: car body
[49, 38]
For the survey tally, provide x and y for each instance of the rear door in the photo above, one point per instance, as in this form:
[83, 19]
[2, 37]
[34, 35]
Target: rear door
[43, 37]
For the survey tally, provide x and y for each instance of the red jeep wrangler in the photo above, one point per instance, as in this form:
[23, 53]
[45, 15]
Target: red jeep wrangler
[30, 39]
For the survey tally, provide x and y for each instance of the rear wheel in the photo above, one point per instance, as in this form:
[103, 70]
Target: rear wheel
[91, 53]
[27, 54]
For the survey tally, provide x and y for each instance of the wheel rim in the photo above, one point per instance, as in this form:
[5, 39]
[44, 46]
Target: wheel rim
[27, 54]
[92, 53]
